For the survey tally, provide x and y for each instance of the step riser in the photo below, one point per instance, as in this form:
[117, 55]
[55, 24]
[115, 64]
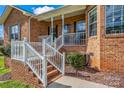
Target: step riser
[49, 75]
[50, 68]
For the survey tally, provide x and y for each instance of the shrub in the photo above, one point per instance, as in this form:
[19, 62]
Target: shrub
[6, 50]
[77, 61]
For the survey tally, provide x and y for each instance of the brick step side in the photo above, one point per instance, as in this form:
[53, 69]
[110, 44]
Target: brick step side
[24, 73]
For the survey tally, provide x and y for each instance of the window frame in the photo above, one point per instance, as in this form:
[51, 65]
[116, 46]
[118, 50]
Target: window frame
[91, 10]
[10, 31]
[113, 18]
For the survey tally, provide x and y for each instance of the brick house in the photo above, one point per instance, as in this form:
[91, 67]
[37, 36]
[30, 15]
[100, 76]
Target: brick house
[38, 41]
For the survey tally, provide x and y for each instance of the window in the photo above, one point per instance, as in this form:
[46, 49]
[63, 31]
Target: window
[66, 28]
[114, 19]
[14, 32]
[80, 26]
[92, 22]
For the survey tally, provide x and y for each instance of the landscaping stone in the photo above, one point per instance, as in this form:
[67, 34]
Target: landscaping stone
[5, 77]
[106, 78]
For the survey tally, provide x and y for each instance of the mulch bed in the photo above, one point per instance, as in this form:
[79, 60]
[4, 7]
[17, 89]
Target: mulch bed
[106, 78]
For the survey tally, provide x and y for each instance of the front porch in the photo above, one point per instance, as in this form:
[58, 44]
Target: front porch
[43, 52]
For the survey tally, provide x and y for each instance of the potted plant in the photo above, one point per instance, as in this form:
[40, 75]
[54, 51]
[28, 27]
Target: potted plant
[77, 61]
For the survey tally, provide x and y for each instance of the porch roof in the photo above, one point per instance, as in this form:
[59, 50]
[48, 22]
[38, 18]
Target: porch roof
[68, 9]
[71, 10]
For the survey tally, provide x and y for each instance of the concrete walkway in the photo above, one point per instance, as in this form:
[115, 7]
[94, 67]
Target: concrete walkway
[72, 82]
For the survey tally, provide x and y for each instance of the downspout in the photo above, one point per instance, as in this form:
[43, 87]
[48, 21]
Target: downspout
[29, 28]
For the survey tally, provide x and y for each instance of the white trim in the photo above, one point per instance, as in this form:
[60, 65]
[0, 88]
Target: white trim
[89, 20]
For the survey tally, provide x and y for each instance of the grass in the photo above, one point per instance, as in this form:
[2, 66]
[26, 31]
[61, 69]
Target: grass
[3, 70]
[14, 84]
[1, 61]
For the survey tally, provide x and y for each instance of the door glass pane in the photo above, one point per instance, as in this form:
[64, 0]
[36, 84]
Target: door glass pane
[67, 28]
[80, 26]
[15, 32]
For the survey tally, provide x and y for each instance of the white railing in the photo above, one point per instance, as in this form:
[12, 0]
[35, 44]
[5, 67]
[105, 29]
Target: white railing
[58, 43]
[25, 52]
[37, 63]
[37, 54]
[49, 40]
[17, 50]
[74, 39]
[42, 37]
[37, 46]
[56, 58]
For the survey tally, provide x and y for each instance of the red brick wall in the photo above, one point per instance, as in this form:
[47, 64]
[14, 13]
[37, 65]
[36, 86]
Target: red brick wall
[111, 49]
[38, 28]
[107, 52]
[93, 42]
[21, 72]
[16, 17]
[78, 49]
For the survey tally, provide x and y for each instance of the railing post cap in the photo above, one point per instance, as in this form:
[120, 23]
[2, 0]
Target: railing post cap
[63, 53]
[25, 39]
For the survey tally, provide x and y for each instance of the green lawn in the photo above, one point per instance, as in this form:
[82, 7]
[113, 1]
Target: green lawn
[3, 70]
[14, 84]
[1, 61]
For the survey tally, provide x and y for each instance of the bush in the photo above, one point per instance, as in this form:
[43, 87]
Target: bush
[6, 50]
[77, 61]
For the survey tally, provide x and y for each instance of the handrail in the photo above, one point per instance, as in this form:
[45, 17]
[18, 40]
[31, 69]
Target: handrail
[34, 51]
[74, 39]
[58, 43]
[26, 53]
[50, 53]
[40, 69]
[54, 49]
[53, 56]
[73, 33]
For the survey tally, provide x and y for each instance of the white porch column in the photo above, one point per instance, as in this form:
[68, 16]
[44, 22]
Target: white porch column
[63, 29]
[51, 28]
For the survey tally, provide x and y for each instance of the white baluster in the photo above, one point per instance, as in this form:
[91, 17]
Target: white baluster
[44, 66]
[63, 65]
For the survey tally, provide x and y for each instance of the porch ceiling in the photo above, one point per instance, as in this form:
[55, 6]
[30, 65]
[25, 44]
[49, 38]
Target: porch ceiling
[68, 11]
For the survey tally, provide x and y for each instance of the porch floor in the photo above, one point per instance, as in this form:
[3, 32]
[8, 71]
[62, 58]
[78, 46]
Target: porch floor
[72, 82]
